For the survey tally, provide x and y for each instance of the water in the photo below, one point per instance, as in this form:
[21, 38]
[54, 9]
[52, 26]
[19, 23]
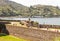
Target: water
[50, 21]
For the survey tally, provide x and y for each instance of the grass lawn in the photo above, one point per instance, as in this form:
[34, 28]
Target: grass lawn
[9, 38]
[57, 39]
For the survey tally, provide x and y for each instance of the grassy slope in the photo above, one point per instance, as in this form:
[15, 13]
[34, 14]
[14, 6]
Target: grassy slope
[10, 38]
[57, 39]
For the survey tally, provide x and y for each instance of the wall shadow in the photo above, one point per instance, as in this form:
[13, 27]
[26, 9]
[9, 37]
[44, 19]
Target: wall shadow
[3, 29]
[2, 34]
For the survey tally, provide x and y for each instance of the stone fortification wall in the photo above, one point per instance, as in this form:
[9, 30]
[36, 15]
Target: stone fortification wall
[32, 34]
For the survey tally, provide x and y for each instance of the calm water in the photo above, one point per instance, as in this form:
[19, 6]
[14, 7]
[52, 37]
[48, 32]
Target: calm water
[51, 21]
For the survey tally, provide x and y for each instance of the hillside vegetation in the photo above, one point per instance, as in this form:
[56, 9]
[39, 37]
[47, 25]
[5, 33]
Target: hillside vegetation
[4, 37]
[10, 8]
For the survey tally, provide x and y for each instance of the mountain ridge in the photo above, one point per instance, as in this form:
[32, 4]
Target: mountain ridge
[9, 8]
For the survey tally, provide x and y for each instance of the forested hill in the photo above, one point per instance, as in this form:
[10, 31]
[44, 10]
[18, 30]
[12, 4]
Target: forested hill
[45, 11]
[10, 8]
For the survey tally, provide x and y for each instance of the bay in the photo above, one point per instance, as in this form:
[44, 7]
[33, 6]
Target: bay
[49, 21]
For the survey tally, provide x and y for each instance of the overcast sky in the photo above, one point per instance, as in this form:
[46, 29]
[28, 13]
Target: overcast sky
[34, 2]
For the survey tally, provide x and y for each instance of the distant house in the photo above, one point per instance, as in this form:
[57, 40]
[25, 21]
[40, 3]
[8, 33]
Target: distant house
[19, 16]
[37, 16]
[55, 13]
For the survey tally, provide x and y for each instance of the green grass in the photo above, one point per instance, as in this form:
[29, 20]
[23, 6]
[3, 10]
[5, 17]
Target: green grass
[4, 37]
[57, 39]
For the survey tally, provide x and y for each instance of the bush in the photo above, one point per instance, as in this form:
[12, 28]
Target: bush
[35, 24]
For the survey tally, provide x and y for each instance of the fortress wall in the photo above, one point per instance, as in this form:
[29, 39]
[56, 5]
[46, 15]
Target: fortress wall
[32, 34]
[49, 26]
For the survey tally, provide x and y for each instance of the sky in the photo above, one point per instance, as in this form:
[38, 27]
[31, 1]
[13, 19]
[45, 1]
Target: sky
[35, 2]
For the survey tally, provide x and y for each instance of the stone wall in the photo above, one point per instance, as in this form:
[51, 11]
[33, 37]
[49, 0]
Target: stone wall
[32, 34]
[49, 26]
